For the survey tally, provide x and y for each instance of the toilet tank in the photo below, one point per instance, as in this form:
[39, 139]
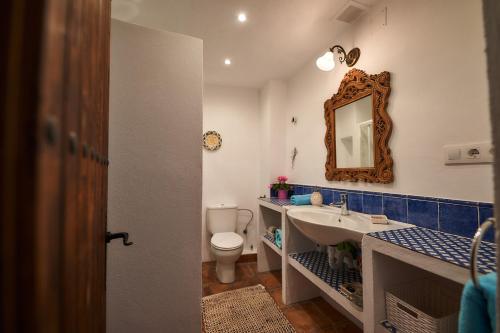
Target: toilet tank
[222, 218]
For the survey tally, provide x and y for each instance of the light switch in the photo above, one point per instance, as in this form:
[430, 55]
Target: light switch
[454, 154]
[468, 153]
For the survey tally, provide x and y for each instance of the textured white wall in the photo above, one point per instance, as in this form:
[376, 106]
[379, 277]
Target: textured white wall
[231, 174]
[154, 181]
[434, 51]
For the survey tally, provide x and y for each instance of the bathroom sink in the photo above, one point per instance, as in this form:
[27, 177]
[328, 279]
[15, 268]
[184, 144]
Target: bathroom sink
[327, 227]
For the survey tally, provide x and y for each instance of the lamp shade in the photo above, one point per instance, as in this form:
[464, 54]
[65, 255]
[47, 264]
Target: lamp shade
[326, 62]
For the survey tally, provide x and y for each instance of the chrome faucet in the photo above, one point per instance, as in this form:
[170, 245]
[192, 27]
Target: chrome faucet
[344, 211]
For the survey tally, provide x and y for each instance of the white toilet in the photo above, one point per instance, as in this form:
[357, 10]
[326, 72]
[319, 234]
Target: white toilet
[226, 244]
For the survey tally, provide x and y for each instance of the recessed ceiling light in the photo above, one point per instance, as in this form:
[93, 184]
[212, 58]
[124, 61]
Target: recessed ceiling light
[242, 17]
[227, 61]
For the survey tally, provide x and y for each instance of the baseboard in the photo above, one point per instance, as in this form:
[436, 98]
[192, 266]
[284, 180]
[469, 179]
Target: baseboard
[251, 257]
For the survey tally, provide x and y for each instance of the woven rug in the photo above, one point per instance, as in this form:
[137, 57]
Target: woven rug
[245, 310]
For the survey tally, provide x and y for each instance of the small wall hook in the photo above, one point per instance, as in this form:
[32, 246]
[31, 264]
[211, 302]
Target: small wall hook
[294, 156]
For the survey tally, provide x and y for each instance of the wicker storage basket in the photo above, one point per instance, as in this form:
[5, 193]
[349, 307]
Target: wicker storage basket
[423, 306]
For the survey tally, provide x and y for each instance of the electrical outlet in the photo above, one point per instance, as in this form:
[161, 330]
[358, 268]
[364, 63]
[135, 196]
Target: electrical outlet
[468, 153]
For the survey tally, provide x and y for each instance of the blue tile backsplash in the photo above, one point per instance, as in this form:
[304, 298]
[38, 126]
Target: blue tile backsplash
[354, 201]
[372, 204]
[451, 216]
[423, 213]
[395, 207]
[485, 212]
[458, 219]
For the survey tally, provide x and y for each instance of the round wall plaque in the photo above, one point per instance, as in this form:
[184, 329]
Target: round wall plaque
[212, 140]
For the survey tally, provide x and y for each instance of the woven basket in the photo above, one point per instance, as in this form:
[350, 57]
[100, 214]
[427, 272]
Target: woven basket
[423, 306]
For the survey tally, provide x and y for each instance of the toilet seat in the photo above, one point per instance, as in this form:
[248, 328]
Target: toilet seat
[226, 241]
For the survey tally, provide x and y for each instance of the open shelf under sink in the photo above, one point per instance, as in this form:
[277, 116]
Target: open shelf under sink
[269, 241]
[314, 266]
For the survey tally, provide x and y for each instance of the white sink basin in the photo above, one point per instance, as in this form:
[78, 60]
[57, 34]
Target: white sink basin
[327, 227]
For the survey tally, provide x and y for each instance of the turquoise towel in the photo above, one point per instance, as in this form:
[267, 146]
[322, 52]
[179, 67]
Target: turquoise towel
[477, 308]
[298, 200]
[277, 238]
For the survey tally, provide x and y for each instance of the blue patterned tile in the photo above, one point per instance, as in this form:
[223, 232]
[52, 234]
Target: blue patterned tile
[450, 248]
[354, 201]
[327, 196]
[485, 212]
[395, 207]
[271, 239]
[423, 213]
[276, 201]
[458, 219]
[317, 263]
[372, 204]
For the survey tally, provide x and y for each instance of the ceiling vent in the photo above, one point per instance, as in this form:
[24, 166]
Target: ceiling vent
[351, 11]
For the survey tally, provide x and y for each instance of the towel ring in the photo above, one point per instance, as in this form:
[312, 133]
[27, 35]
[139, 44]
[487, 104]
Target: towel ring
[476, 243]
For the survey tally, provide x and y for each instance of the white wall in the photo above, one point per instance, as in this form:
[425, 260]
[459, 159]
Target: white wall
[154, 181]
[273, 154]
[231, 174]
[434, 51]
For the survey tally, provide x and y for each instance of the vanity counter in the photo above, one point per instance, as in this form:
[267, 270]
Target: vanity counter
[402, 256]
[274, 203]
[439, 245]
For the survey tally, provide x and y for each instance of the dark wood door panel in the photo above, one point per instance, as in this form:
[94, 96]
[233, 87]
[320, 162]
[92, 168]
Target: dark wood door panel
[54, 122]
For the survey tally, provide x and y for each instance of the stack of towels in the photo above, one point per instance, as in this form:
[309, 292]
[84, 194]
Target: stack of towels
[277, 238]
[299, 200]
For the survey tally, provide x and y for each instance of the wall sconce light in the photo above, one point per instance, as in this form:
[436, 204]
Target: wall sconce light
[327, 63]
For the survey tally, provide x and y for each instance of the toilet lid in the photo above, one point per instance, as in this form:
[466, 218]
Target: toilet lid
[226, 240]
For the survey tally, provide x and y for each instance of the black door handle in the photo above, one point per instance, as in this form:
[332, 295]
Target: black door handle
[124, 235]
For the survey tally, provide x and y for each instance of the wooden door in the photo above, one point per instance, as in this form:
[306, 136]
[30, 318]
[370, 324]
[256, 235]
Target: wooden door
[53, 176]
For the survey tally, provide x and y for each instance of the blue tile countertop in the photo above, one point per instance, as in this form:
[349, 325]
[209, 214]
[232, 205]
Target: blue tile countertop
[276, 201]
[447, 247]
[317, 263]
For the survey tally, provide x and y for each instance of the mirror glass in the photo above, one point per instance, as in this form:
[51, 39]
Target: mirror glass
[354, 134]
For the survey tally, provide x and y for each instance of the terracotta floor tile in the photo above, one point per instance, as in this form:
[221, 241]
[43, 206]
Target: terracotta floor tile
[328, 329]
[219, 288]
[318, 317]
[328, 310]
[314, 316]
[206, 291]
[278, 297]
[347, 327]
[270, 280]
[300, 318]
[246, 271]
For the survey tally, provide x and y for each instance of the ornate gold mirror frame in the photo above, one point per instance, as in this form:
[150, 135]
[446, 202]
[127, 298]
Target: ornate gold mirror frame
[356, 85]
